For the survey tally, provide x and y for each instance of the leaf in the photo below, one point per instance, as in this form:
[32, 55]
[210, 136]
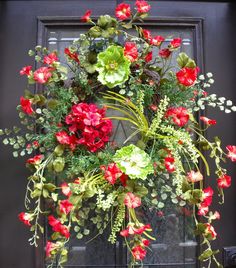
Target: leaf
[205, 255]
[79, 236]
[54, 197]
[50, 187]
[5, 141]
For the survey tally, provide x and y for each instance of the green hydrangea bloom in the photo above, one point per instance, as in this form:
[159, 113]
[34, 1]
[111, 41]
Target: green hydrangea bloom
[113, 67]
[134, 162]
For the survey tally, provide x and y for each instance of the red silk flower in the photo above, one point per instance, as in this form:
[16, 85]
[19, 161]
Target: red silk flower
[123, 11]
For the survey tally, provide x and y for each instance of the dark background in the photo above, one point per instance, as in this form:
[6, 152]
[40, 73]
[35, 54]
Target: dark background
[18, 33]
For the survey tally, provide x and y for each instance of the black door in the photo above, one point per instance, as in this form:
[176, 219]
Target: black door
[207, 29]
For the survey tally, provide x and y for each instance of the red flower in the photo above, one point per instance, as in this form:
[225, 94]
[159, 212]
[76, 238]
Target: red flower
[146, 242]
[164, 53]
[86, 16]
[207, 120]
[207, 196]
[157, 40]
[169, 164]
[142, 6]
[216, 215]
[65, 206]
[231, 152]
[210, 231]
[35, 160]
[138, 253]
[72, 55]
[123, 179]
[175, 43]
[193, 176]
[132, 201]
[202, 210]
[88, 120]
[51, 58]
[179, 115]
[147, 34]
[66, 189]
[26, 70]
[131, 230]
[123, 11]
[112, 172]
[148, 57]
[57, 226]
[224, 181]
[42, 75]
[131, 51]
[25, 218]
[50, 246]
[153, 107]
[36, 144]
[26, 105]
[187, 76]
[62, 137]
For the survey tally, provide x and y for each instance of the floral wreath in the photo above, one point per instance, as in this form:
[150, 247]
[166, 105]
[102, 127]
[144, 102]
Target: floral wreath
[69, 131]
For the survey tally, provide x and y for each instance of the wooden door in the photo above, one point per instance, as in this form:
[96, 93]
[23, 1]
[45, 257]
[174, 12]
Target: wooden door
[207, 29]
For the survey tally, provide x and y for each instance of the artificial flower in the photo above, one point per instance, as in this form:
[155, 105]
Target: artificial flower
[50, 248]
[50, 59]
[65, 188]
[175, 43]
[138, 253]
[26, 70]
[65, 206]
[134, 162]
[134, 230]
[86, 16]
[169, 164]
[145, 242]
[164, 53]
[57, 226]
[207, 196]
[37, 159]
[112, 66]
[179, 115]
[131, 51]
[72, 55]
[210, 231]
[147, 34]
[148, 57]
[224, 181]
[26, 105]
[193, 176]
[157, 40]
[111, 173]
[231, 152]
[132, 201]
[187, 76]
[142, 6]
[216, 215]
[202, 209]
[123, 11]
[90, 121]
[25, 218]
[207, 120]
[42, 75]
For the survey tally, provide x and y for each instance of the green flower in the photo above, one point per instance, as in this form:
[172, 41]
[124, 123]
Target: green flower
[134, 162]
[113, 66]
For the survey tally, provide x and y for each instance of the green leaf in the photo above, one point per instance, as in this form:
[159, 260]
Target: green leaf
[205, 255]
[59, 164]
[79, 236]
[15, 154]
[5, 141]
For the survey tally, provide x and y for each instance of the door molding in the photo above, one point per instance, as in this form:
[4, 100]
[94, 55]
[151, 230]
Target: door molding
[47, 23]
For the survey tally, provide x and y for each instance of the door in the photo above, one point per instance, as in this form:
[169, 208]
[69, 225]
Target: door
[207, 29]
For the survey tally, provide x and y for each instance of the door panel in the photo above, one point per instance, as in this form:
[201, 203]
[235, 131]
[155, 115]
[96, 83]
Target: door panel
[19, 32]
[176, 244]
